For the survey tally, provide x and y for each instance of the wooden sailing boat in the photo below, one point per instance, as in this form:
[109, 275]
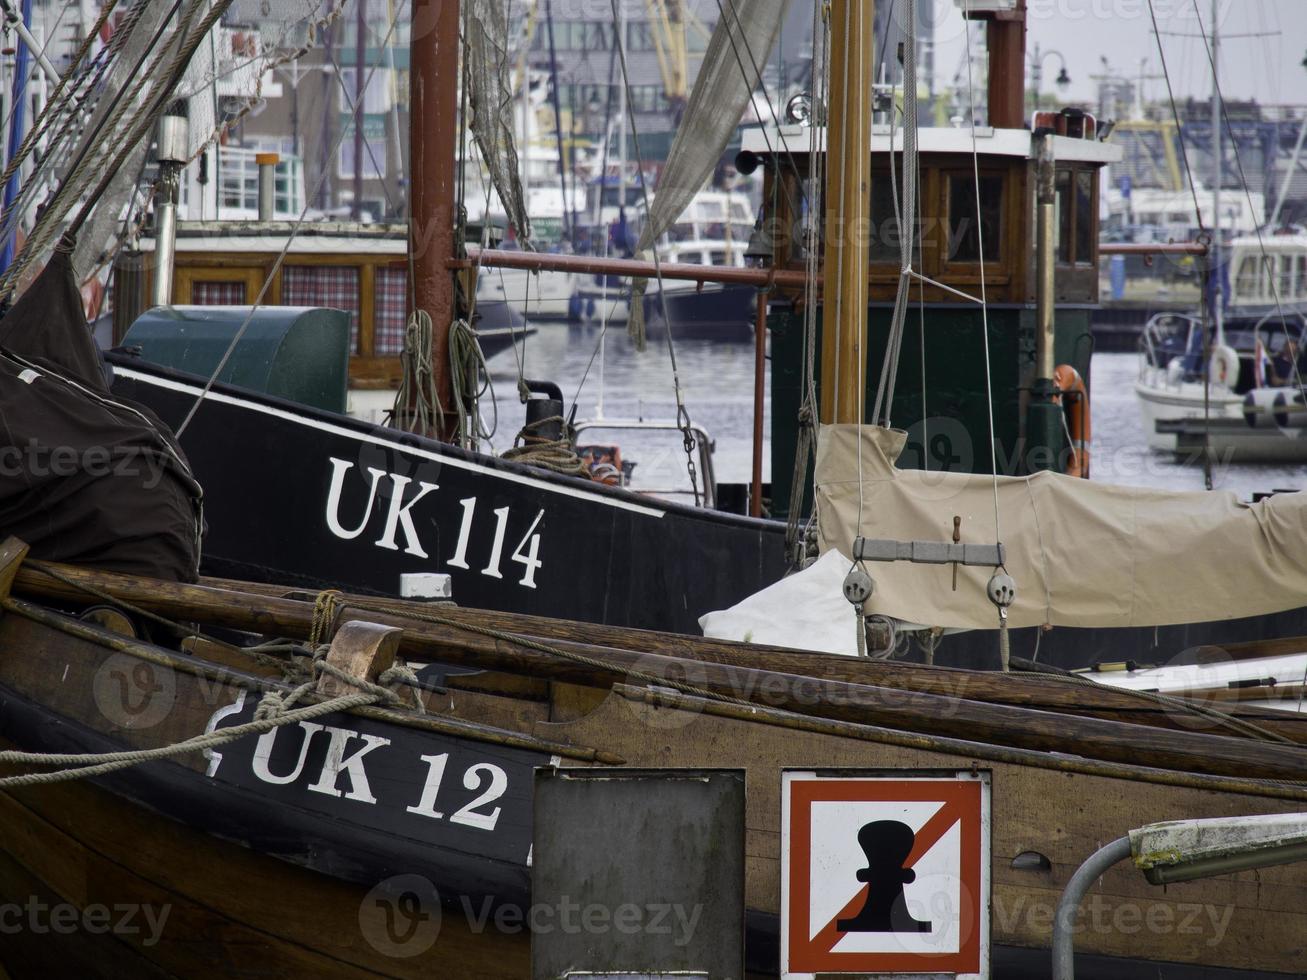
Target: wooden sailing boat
[339, 822]
[378, 503]
[272, 859]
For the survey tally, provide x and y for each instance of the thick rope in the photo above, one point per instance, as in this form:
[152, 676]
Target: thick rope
[417, 404]
[97, 764]
[557, 455]
[325, 609]
[467, 365]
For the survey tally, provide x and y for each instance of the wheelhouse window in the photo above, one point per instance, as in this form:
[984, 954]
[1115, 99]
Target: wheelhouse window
[967, 237]
[334, 287]
[1084, 217]
[885, 237]
[1075, 216]
[218, 293]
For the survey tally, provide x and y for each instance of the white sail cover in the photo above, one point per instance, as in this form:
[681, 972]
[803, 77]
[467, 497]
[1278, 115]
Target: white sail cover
[1082, 554]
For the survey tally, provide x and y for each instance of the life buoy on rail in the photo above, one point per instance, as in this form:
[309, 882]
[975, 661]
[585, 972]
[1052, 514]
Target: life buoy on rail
[1076, 406]
[1223, 368]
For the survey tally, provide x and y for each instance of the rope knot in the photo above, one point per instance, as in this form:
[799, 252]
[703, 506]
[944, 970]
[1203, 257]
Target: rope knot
[271, 705]
[399, 674]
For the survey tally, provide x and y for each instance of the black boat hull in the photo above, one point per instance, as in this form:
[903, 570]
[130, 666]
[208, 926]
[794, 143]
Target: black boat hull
[302, 497]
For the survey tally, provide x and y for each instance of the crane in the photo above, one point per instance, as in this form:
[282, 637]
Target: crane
[670, 24]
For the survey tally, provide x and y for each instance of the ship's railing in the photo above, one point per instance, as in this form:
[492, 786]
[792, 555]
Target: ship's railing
[762, 277]
[704, 447]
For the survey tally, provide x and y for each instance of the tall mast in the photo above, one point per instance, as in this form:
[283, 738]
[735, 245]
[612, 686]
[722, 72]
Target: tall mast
[1218, 292]
[360, 56]
[848, 211]
[433, 132]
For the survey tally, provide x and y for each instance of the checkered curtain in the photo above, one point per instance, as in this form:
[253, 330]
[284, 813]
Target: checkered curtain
[335, 287]
[218, 293]
[389, 311]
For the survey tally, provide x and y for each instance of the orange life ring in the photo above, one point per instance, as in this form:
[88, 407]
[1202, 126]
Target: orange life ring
[1076, 407]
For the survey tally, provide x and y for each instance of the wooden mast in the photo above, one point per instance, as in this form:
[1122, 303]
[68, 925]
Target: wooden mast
[433, 135]
[848, 211]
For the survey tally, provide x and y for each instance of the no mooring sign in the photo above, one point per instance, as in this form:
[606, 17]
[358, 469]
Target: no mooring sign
[885, 872]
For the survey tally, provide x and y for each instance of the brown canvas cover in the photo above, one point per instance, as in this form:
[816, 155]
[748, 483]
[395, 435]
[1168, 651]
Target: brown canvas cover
[1081, 553]
[86, 477]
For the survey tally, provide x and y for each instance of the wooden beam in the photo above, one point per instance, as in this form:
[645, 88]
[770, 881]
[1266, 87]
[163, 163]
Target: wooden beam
[848, 211]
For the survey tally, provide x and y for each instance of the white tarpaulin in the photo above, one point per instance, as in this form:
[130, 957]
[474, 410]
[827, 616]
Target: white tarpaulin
[1082, 553]
[803, 611]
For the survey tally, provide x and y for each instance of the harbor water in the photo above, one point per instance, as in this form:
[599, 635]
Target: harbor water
[717, 384]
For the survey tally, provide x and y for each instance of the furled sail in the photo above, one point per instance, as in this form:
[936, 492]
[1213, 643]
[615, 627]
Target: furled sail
[1082, 554]
[740, 46]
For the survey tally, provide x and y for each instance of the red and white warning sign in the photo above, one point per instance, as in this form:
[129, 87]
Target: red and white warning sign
[885, 872]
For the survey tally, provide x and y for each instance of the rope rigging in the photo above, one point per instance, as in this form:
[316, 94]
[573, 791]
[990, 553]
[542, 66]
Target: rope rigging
[688, 440]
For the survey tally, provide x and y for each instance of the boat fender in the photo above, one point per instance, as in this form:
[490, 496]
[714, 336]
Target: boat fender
[1223, 368]
[1073, 395]
[1281, 410]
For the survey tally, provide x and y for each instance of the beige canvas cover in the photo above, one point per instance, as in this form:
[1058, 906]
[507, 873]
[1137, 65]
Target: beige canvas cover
[1082, 553]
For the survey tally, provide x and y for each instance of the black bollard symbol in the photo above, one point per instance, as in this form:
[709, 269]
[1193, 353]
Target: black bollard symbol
[886, 844]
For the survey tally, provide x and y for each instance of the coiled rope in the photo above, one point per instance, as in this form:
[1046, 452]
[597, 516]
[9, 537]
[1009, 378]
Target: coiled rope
[557, 455]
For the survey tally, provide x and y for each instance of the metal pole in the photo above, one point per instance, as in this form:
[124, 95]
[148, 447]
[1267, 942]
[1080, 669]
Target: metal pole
[360, 69]
[1218, 290]
[17, 124]
[172, 138]
[1064, 966]
[759, 396]
[267, 163]
[1046, 286]
[433, 135]
[21, 24]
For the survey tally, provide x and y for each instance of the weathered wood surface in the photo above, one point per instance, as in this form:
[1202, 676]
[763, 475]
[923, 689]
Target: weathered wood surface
[915, 711]
[360, 649]
[1028, 690]
[148, 703]
[232, 913]
[1042, 803]
[1261, 917]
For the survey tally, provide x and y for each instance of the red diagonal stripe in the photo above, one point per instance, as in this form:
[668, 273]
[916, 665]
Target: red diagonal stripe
[928, 836]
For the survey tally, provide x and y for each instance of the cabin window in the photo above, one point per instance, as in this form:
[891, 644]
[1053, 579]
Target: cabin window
[1084, 217]
[1062, 217]
[965, 236]
[1286, 276]
[718, 258]
[389, 311]
[1300, 287]
[885, 239]
[218, 294]
[1246, 281]
[1074, 216]
[333, 286]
